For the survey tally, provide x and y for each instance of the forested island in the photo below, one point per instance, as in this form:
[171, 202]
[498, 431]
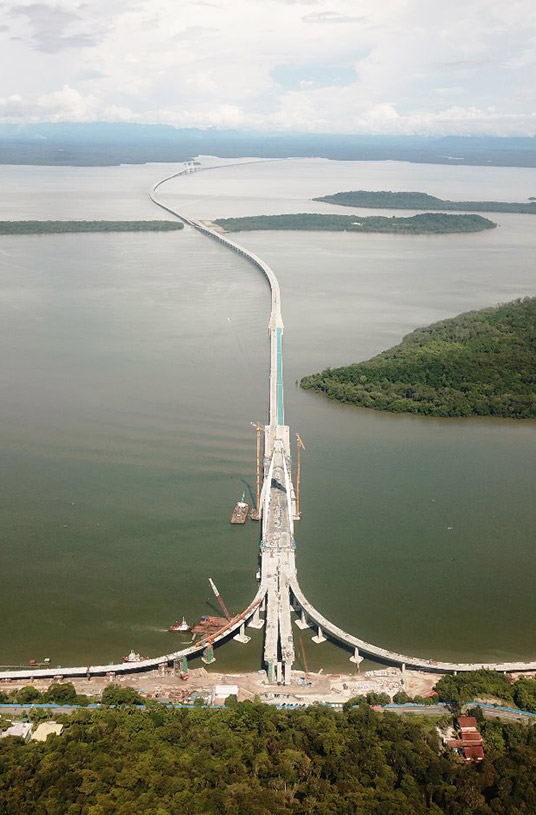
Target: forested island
[425, 224]
[421, 200]
[48, 227]
[481, 363]
[253, 759]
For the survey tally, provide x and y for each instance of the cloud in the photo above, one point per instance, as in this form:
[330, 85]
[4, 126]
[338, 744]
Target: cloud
[331, 17]
[194, 33]
[311, 65]
[51, 27]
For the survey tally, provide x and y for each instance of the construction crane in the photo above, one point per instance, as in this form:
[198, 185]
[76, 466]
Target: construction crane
[299, 447]
[218, 598]
[256, 514]
[304, 659]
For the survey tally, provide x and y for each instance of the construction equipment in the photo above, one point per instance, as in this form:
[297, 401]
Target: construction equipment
[304, 659]
[218, 598]
[299, 447]
[255, 515]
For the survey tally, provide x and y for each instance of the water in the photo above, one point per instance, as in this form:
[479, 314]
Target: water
[132, 365]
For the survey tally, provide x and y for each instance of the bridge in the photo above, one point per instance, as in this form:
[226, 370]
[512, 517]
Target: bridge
[279, 592]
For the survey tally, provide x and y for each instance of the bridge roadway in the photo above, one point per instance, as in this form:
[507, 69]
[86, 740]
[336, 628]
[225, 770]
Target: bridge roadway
[279, 582]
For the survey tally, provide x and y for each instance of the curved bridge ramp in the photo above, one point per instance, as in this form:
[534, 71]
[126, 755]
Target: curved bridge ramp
[362, 647]
[192, 650]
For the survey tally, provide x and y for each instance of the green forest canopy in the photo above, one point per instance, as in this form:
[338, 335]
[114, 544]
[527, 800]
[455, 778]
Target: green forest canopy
[45, 227]
[421, 200]
[481, 363]
[427, 223]
[252, 759]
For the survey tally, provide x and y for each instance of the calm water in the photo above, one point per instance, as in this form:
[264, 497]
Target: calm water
[132, 365]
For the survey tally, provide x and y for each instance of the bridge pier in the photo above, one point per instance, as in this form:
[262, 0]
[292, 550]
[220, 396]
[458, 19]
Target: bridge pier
[301, 622]
[242, 636]
[318, 638]
[208, 655]
[256, 621]
[356, 658]
[271, 671]
[287, 667]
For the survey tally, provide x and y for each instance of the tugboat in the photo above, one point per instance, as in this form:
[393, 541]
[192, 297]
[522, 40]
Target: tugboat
[134, 657]
[240, 512]
[179, 626]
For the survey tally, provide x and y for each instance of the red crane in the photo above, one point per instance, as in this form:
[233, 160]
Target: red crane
[218, 598]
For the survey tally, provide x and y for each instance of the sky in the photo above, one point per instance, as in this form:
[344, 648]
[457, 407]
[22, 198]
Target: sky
[423, 67]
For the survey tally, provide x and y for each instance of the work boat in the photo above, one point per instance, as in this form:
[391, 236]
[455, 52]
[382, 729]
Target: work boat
[179, 626]
[240, 512]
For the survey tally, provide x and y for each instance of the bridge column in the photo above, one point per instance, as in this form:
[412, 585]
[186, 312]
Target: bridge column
[403, 669]
[356, 658]
[318, 638]
[271, 672]
[242, 636]
[287, 666]
[256, 621]
[279, 674]
[162, 668]
[302, 621]
[208, 655]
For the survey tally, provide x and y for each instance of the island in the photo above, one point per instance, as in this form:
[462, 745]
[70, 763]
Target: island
[425, 224]
[421, 200]
[53, 227]
[481, 363]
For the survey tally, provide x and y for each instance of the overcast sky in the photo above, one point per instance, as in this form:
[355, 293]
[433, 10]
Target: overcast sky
[347, 66]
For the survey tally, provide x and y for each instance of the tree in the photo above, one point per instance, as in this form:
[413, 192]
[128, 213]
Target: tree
[63, 693]
[117, 696]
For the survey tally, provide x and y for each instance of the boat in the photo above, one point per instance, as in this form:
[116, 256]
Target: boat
[179, 626]
[134, 657]
[240, 512]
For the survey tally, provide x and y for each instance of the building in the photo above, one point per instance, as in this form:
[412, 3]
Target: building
[469, 742]
[43, 731]
[21, 729]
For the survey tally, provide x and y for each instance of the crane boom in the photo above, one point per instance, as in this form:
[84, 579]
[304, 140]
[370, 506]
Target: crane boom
[256, 514]
[218, 598]
[304, 658]
[299, 447]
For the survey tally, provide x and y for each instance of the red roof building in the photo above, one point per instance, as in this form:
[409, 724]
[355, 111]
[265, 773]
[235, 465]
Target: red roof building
[469, 744]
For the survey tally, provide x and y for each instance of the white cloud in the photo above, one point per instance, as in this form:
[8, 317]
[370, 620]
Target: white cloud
[393, 66]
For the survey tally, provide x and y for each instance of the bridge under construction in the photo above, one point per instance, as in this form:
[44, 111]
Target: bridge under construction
[279, 593]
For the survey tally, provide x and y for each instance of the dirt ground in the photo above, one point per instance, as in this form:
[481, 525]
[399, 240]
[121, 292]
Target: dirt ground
[318, 687]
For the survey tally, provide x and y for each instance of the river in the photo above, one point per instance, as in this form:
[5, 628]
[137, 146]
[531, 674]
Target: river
[133, 363]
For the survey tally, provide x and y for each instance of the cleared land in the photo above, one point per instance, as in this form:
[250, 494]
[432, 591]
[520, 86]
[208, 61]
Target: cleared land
[481, 363]
[421, 200]
[427, 223]
[47, 227]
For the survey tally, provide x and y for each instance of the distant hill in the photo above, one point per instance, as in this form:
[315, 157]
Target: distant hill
[427, 223]
[481, 363]
[421, 200]
[109, 143]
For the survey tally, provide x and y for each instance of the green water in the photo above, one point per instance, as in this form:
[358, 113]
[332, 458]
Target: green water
[132, 366]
